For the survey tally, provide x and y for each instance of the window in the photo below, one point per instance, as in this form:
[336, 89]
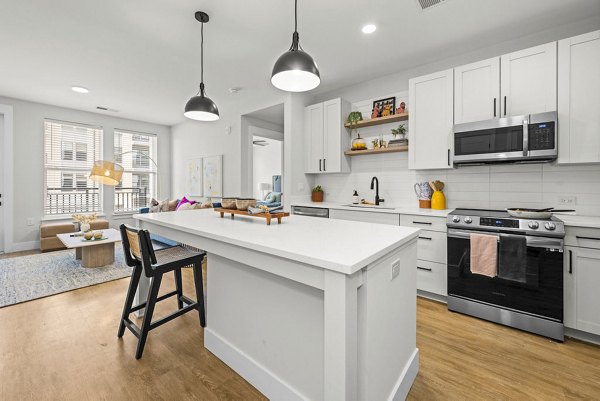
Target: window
[69, 152]
[134, 151]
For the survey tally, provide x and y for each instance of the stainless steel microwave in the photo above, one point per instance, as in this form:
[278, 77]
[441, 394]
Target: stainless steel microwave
[526, 138]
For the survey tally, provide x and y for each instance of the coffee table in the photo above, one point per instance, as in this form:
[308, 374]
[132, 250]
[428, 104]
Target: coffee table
[93, 253]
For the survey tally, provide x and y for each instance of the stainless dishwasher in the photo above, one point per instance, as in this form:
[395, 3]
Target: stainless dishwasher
[310, 211]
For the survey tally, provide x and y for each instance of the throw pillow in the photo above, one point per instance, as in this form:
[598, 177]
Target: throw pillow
[277, 196]
[185, 206]
[270, 198]
[163, 206]
[184, 201]
[172, 205]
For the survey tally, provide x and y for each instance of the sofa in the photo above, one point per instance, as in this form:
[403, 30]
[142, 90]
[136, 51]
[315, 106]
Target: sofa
[48, 232]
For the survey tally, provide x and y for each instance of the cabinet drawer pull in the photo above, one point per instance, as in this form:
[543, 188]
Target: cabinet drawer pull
[427, 269]
[570, 261]
[494, 107]
[324, 168]
[422, 222]
[448, 157]
[591, 238]
[504, 105]
[320, 165]
[427, 238]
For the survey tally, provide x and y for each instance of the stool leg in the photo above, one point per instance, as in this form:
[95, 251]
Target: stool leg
[178, 287]
[198, 283]
[148, 315]
[133, 283]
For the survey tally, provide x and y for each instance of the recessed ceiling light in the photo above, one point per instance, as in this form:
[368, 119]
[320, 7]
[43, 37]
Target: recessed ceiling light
[79, 89]
[370, 28]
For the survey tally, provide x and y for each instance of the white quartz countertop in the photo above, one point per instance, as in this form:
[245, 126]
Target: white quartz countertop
[383, 209]
[338, 245]
[572, 220]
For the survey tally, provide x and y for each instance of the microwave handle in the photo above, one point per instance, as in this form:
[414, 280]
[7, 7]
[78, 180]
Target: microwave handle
[525, 137]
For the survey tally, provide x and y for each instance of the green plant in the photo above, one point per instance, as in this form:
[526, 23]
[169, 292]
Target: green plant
[317, 189]
[354, 117]
[401, 130]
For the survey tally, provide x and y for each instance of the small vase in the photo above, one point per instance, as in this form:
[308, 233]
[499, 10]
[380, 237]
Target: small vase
[438, 200]
[358, 143]
[84, 227]
[317, 196]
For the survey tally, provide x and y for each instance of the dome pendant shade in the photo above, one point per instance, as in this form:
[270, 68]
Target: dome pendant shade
[295, 71]
[201, 108]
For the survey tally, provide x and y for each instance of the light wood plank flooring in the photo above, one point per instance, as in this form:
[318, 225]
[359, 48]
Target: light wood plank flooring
[64, 347]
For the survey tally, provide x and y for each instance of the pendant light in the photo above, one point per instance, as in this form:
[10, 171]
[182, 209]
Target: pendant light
[295, 70]
[201, 107]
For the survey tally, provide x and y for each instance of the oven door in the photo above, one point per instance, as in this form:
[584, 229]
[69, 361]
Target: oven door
[540, 294]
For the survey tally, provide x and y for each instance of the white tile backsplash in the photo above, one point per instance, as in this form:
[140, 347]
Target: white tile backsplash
[485, 187]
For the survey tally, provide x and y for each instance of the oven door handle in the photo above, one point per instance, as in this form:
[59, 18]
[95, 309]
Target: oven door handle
[533, 242]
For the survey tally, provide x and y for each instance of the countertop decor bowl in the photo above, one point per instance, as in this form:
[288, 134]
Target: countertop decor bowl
[244, 204]
[228, 203]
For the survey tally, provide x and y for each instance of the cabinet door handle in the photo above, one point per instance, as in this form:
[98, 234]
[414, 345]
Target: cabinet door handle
[427, 269]
[320, 165]
[422, 222]
[494, 107]
[504, 105]
[448, 157]
[324, 168]
[570, 261]
[427, 238]
[592, 238]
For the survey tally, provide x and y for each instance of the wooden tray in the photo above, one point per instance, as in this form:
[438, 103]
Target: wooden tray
[267, 216]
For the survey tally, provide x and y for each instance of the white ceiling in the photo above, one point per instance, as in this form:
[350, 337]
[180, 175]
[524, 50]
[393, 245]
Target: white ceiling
[273, 114]
[141, 57]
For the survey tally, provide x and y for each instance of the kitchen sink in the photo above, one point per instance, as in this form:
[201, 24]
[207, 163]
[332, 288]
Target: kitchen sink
[370, 207]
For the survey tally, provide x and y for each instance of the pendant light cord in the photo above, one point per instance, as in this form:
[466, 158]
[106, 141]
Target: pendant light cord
[295, 37]
[296, 16]
[202, 53]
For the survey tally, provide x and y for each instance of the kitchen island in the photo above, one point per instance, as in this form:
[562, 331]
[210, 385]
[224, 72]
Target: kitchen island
[311, 308]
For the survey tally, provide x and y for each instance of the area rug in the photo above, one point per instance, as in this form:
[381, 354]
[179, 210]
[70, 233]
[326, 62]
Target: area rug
[30, 277]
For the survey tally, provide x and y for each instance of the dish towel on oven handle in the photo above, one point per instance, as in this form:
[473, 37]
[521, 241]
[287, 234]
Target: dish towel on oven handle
[484, 254]
[513, 258]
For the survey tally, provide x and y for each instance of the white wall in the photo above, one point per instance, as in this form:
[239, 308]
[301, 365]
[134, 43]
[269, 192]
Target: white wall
[266, 162]
[28, 160]
[495, 187]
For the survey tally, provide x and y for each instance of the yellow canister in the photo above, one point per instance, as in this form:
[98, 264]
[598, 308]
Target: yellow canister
[438, 200]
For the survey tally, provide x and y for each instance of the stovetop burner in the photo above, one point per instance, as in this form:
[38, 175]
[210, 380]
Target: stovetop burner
[501, 221]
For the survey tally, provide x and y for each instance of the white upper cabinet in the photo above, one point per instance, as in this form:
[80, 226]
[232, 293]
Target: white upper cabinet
[326, 138]
[430, 123]
[579, 99]
[528, 83]
[477, 91]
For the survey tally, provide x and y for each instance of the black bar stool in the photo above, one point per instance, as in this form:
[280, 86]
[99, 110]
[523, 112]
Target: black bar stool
[140, 255]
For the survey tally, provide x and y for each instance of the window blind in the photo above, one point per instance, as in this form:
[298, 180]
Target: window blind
[133, 151]
[70, 149]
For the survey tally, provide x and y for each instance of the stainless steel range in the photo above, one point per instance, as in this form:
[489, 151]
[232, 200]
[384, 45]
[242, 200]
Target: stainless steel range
[522, 283]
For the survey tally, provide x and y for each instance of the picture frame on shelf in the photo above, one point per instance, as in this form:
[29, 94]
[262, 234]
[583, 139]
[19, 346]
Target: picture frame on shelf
[384, 107]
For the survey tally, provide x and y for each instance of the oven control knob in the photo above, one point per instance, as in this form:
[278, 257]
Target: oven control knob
[533, 225]
[456, 219]
[468, 220]
[550, 226]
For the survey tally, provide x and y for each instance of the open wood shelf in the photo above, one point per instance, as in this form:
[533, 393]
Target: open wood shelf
[377, 121]
[391, 149]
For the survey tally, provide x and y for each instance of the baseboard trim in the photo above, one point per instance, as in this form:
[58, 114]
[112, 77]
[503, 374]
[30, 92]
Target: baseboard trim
[406, 379]
[260, 377]
[23, 246]
[434, 297]
[582, 336]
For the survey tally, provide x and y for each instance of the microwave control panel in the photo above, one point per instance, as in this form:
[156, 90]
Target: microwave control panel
[542, 136]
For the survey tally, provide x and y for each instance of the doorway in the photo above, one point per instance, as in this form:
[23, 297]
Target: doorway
[262, 152]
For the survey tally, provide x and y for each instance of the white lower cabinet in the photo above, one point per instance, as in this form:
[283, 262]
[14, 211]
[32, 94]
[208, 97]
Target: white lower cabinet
[582, 288]
[432, 277]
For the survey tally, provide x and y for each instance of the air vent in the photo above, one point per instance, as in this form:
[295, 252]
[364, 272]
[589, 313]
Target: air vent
[426, 4]
[106, 109]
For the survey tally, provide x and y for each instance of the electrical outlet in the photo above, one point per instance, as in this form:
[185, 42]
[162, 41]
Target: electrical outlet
[569, 200]
[395, 269]
[30, 221]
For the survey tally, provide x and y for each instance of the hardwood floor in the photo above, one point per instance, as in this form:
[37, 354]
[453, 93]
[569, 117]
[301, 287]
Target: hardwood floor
[65, 347]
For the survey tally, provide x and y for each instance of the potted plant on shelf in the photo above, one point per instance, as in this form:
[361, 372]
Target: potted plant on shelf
[353, 118]
[400, 131]
[317, 194]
